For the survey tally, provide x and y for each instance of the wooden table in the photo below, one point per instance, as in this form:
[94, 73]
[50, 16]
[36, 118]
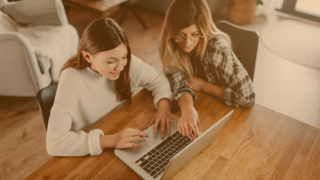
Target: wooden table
[256, 143]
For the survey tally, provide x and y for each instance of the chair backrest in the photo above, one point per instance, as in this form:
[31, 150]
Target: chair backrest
[45, 101]
[244, 44]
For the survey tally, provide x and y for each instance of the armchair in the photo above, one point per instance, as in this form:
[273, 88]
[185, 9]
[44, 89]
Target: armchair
[22, 72]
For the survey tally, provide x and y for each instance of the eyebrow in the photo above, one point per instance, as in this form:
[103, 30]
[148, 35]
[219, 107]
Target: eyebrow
[179, 32]
[117, 58]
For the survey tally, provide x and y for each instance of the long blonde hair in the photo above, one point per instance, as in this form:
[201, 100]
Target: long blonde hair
[181, 14]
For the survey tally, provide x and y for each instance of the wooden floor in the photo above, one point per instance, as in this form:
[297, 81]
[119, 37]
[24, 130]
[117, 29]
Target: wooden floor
[280, 85]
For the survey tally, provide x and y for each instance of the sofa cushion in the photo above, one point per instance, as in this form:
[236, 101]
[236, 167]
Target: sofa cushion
[35, 12]
[7, 23]
[52, 45]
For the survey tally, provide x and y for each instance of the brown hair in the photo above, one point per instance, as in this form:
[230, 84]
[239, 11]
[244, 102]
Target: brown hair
[181, 14]
[102, 35]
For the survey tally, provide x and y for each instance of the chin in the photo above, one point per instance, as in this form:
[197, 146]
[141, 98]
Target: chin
[114, 78]
[187, 50]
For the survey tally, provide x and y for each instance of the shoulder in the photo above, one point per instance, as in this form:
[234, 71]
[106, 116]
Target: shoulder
[70, 79]
[136, 64]
[218, 43]
[69, 73]
[68, 89]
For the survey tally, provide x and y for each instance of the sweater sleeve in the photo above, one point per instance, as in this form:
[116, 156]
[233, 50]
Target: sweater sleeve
[151, 79]
[62, 141]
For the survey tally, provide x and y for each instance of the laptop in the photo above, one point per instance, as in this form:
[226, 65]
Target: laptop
[159, 158]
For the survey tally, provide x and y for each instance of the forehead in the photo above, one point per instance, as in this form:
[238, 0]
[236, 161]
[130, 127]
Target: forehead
[117, 52]
[192, 28]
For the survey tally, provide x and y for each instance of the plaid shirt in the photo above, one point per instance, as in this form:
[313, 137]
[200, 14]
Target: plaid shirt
[222, 68]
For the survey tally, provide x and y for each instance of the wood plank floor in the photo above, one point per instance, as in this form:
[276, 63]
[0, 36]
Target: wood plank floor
[294, 92]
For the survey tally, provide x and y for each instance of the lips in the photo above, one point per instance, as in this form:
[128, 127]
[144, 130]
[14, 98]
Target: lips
[115, 74]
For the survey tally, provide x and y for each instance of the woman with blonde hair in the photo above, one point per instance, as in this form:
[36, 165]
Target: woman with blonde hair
[197, 56]
[102, 76]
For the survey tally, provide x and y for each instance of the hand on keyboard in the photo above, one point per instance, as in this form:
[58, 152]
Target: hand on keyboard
[123, 139]
[189, 120]
[162, 118]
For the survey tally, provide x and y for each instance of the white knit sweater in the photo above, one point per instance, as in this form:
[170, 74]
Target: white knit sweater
[84, 97]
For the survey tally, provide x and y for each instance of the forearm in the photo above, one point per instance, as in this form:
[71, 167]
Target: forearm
[213, 89]
[106, 141]
[185, 101]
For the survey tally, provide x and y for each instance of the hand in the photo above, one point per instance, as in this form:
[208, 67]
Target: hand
[196, 84]
[123, 139]
[189, 119]
[163, 117]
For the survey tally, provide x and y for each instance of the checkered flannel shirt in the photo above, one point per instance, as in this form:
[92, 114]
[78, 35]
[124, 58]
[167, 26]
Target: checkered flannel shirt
[222, 68]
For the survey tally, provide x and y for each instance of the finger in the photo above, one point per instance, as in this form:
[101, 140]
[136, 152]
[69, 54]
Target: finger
[136, 138]
[179, 127]
[155, 125]
[188, 129]
[183, 128]
[163, 127]
[150, 122]
[137, 132]
[134, 145]
[191, 137]
[175, 119]
[195, 130]
[143, 134]
[168, 126]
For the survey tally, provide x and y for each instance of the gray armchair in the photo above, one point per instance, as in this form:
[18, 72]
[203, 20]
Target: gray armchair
[21, 71]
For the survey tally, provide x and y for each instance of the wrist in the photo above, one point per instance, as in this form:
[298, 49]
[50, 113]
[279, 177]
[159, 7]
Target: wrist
[186, 108]
[203, 86]
[107, 141]
[164, 104]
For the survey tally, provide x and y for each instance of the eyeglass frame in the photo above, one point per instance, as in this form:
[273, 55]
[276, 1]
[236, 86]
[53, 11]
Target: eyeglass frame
[184, 36]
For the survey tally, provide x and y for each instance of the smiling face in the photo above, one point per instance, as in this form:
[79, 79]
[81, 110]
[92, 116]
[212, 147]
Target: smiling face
[108, 63]
[187, 45]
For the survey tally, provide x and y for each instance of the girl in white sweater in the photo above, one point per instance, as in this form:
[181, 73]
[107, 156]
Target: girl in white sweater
[102, 76]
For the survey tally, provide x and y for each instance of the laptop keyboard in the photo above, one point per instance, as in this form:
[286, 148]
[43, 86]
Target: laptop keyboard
[157, 159]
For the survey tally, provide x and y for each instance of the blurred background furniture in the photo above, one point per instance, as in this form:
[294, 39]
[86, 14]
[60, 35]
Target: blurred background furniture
[244, 44]
[128, 6]
[102, 8]
[161, 6]
[45, 99]
[24, 69]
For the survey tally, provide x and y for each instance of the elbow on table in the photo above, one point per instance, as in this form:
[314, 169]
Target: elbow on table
[51, 151]
[53, 148]
[249, 103]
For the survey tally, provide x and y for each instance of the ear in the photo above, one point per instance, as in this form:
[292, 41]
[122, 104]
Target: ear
[87, 56]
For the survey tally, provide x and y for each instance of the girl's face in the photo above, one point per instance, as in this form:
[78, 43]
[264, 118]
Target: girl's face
[188, 38]
[108, 63]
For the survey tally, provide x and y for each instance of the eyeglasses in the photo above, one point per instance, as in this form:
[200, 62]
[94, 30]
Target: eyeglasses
[182, 37]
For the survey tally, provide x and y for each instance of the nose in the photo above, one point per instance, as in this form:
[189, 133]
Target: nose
[187, 42]
[119, 66]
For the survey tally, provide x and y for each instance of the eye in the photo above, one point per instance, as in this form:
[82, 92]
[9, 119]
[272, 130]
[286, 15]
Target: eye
[111, 62]
[125, 57]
